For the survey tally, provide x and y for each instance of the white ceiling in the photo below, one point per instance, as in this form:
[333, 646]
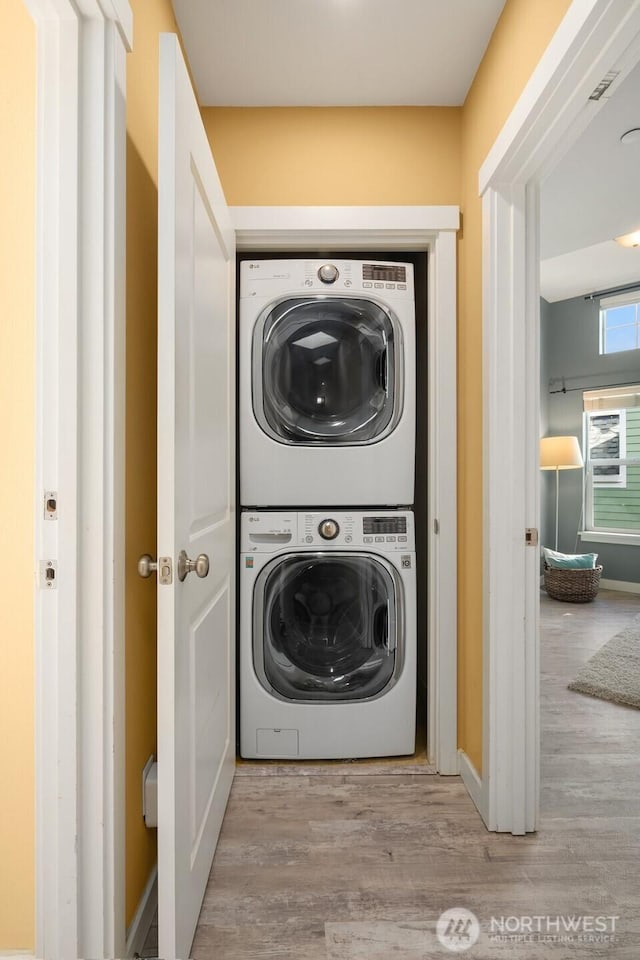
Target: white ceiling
[592, 196]
[335, 52]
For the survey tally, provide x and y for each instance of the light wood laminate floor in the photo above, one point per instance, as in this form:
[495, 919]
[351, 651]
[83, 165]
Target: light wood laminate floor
[330, 864]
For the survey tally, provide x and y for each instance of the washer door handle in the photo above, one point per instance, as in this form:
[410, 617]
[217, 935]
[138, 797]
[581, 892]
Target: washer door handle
[391, 641]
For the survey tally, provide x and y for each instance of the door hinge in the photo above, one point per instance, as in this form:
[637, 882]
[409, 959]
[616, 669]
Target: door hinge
[531, 536]
[436, 527]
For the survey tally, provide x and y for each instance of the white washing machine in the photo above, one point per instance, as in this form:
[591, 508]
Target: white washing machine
[327, 383]
[327, 634]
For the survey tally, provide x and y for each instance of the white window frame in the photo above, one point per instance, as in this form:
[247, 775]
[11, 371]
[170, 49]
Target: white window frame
[592, 532]
[610, 303]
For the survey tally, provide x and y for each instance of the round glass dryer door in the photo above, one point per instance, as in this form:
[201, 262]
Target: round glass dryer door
[327, 627]
[327, 371]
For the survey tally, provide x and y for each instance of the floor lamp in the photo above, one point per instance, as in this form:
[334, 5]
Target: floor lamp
[560, 453]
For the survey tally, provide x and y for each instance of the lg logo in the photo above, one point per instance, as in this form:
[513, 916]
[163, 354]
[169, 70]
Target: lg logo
[254, 266]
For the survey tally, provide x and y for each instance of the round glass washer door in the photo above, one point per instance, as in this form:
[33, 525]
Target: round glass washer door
[327, 627]
[327, 371]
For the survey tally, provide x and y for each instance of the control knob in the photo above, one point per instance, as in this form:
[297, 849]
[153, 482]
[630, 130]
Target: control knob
[328, 529]
[328, 273]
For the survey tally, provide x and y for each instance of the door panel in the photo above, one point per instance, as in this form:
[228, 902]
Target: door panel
[210, 372]
[196, 509]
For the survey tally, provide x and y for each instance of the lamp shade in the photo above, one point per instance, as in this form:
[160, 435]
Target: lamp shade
[560, 453]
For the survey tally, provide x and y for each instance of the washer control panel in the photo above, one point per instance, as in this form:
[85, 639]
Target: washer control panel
[272, 531]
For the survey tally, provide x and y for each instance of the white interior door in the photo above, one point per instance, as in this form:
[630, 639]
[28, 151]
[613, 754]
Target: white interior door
[196, 506]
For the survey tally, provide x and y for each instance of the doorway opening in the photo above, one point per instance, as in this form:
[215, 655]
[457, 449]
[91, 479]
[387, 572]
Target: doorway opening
[555, 107]
[419, 261]
[589, 360]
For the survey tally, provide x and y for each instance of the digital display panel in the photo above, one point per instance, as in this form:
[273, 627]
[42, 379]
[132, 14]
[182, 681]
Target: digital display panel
[377, 271]
[379, 525]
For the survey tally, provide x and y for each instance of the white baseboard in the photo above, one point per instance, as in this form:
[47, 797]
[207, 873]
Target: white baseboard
[472, 782]
[141, 923]
[16, 955]
[625, 586]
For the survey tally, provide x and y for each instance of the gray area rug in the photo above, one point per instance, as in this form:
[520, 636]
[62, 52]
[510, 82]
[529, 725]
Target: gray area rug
[613, 673]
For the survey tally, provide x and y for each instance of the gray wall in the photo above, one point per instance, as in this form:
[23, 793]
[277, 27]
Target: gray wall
[570, 350]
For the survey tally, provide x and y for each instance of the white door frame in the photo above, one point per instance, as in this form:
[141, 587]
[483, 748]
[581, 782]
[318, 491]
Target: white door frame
[79, 620]
[595, 36]
[404, 228]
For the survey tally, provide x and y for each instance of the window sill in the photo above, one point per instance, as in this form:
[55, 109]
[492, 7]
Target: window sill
[593, 536]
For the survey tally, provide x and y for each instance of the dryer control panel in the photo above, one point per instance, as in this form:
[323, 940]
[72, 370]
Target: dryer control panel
[378, 280]
[380, 530]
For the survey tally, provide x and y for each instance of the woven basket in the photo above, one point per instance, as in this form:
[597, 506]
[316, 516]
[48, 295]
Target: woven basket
[572, 586]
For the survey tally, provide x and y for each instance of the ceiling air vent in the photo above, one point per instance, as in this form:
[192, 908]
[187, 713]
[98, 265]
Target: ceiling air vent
[604, 84]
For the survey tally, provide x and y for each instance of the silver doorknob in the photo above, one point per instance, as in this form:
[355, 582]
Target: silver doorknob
[200, 565]
[146, 566]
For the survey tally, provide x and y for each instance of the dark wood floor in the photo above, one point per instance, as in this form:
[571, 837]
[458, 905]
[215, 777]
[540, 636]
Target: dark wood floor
[332, 866]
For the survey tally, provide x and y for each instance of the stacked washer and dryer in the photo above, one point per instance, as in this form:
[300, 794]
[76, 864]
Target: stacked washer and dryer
[327, 451]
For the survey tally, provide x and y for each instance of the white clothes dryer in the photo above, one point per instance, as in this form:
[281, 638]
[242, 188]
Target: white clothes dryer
[327, 634]
[327, 383]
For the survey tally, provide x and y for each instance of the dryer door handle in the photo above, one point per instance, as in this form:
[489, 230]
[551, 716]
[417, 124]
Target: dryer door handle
[381, 372]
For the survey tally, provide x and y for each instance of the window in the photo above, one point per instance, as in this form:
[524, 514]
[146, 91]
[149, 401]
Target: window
[606, 440]
[620, 323]
[612, 461]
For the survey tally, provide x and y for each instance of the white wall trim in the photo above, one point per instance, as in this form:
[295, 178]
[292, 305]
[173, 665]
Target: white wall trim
[621, 539]
[442, 495]
[121, 13]
[404, 228]
[473, 782]
[79, 626]
[624, 586]
[594, 37]
[326, 222]
[144, 916]
[505, 565]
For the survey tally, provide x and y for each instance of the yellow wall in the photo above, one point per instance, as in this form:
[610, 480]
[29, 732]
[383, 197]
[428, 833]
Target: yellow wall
[327, 155]
[17, 388]
[151, 17]
[17, 162]
[519, 40]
